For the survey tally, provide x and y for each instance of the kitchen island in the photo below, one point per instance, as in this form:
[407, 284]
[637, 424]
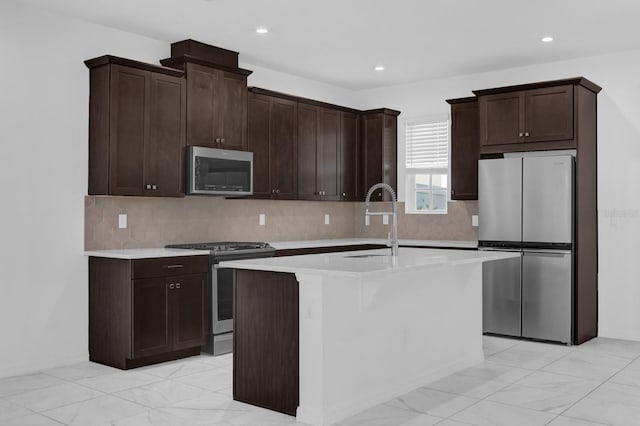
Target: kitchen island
[325, 336]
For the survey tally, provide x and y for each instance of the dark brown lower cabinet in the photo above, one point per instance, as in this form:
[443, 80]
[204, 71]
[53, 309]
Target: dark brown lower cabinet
[265, 340]
[145, 311]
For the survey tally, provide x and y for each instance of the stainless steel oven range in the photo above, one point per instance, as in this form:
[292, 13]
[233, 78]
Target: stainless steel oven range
[220, 337]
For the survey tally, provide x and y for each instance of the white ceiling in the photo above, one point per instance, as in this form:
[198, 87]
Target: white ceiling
[340, 41]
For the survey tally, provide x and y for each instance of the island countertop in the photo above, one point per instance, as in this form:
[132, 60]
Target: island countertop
[365, 262]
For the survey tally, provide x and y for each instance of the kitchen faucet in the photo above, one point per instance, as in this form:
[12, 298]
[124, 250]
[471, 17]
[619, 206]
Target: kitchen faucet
[394, 213]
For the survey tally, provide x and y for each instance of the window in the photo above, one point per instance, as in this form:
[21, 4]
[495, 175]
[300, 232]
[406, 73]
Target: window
[427, 165]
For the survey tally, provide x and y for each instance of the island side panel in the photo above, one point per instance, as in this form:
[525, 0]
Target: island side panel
[368, 339]
[266, 341]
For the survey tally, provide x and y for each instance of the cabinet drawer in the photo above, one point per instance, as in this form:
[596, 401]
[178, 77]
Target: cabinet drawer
[169, 266]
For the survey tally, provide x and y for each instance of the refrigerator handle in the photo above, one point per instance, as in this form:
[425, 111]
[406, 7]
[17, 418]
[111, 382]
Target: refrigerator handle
[514, 250]
[547, 253]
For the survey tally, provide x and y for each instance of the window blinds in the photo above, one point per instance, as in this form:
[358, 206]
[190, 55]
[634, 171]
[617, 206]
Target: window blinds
[428, 144]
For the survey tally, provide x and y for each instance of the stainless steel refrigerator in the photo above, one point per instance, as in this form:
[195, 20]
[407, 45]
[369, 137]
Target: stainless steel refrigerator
[526, 205]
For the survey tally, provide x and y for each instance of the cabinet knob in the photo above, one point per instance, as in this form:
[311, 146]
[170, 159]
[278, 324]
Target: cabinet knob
[277, 191]
[177, 285]
[217, 140]
[222, 140]
[172, 286]
[154, 187]
[526, 133]
[344, 194]
[453, 192]
[521, 134]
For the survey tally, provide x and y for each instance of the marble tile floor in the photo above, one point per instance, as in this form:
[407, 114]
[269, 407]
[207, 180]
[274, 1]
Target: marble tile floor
[519, 384]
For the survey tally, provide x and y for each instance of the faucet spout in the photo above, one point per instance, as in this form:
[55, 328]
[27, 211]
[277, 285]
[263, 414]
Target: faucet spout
[393, 213]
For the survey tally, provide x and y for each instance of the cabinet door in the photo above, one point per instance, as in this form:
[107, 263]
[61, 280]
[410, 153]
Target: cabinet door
[151, 330]
[258, 129]
[328, 147]
[308, 119]
[348, 163]
[202, 108]
[390, 154]
[283, 148]
[232, 110]
[189, 310]
[372, 134]
[465, 149]
[128, 127]
[501, 118]
[549, 114]
[164, 148]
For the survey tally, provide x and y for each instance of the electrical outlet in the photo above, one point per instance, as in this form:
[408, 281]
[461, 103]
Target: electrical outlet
[122, 221]
[474, 220]
[327, 219]
[262, 218]
[385, 219]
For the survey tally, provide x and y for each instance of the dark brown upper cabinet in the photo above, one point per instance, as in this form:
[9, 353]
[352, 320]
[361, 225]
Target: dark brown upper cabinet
[465, 148]
[318, 145]
[379, 146]
[216, 102]
[272, 132]
[349, 152]
[327, 146]
[530, 117]
[136, 128]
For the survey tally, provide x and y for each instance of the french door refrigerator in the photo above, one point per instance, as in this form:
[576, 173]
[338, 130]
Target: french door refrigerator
[526, 205]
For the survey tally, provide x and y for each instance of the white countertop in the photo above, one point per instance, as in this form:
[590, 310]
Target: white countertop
[358, 263]
[278, 245]
[286, 245]
[144, 253]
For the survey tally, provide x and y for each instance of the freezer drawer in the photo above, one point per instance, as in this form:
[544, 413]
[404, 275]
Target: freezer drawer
[501, 297]
[547, 295]
[500, 199]
[547, 199]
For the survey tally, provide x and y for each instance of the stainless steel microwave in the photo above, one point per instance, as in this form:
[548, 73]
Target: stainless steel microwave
[222, 172]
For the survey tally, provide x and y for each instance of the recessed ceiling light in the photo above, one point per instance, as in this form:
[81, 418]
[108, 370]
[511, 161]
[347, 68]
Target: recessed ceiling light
[547, 39]
[262, 30]
[379, 68]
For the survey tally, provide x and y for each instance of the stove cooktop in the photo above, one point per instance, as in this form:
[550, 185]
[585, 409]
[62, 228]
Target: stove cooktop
[223, 246]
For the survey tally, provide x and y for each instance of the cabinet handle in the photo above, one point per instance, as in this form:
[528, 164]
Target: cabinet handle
[526, 133]
[177, 285]
[222, 140]
[521, 134]
[154, 187]
[147, 187]
[171, 286]
[172, 266]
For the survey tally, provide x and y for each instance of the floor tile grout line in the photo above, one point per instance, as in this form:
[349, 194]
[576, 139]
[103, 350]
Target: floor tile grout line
[598, 387]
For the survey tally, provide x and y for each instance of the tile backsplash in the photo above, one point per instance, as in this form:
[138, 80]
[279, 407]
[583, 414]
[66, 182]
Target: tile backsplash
[154, 222]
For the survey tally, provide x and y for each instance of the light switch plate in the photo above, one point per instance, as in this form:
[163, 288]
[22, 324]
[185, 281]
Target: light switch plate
[122, 221]
[474, 220]
[327, 219]
[262, 218]
[385, 219]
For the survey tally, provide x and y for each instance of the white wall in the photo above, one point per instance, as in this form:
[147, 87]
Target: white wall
[44, 94]
[618, 162]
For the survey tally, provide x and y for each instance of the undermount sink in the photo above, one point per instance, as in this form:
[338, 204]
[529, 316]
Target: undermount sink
[366, 255]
